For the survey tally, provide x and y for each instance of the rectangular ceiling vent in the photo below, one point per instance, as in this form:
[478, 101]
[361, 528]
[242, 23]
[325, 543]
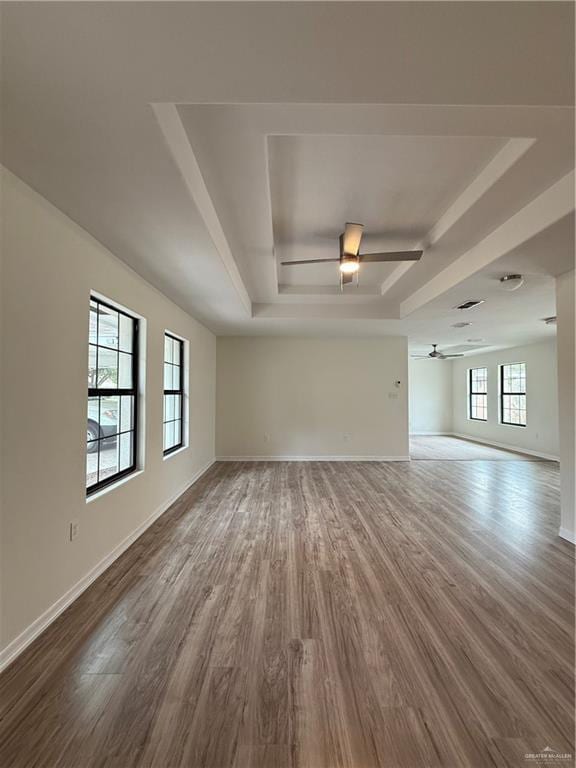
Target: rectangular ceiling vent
[470, 304]
[460, 325]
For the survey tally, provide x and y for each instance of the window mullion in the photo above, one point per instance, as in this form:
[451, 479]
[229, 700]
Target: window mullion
[92, 392]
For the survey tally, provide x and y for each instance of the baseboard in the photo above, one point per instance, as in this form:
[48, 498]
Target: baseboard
[429, 434]
[567, 534]
[506, 446]
[23, 640]
[313, 458]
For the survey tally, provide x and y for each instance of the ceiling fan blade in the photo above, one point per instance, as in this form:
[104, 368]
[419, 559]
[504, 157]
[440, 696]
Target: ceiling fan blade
[346, 277]
[445, 356]
[352, 238]
[391, 256]
[307, 261]
[420, 357]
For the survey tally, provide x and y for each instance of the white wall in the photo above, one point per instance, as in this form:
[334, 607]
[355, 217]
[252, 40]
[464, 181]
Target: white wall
[430, 389]
[50, 267]
[541, 432]
[287, 397]
[565, 310]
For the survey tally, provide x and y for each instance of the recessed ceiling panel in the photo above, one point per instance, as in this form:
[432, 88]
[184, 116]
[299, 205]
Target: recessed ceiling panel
[397, 186]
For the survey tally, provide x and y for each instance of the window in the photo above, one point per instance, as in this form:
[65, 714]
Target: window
[513, 394]
[478, 394]
[112, 395]
[173, 421]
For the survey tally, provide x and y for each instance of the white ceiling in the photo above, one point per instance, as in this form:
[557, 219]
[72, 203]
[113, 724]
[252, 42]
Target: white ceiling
[205, 142]
[397, 186]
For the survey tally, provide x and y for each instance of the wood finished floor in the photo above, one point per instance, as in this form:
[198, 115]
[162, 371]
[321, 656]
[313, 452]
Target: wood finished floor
[448, 448]
[316, 614]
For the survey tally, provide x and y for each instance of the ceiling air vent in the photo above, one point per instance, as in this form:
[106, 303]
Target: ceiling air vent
[549, 320]
[461, 325]
[470, 304]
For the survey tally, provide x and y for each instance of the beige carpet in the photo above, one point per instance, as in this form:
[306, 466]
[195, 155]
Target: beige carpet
[441, 448]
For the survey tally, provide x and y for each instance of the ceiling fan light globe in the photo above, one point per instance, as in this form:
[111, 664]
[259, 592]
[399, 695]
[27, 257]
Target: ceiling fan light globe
[349, 266]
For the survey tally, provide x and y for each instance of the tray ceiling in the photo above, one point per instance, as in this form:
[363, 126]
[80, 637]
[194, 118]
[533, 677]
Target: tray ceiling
[214, 139]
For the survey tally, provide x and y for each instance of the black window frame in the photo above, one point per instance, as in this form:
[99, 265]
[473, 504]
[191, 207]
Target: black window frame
[503, 394]
[118, 391]
[472, 392]
[179, 391]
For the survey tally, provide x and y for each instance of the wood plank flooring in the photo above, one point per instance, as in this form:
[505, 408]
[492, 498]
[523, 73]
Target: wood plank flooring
[448, 448]
[318, 615]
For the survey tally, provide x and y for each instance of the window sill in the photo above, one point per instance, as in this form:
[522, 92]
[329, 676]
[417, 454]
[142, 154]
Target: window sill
[505, 424]
[166, 456]
[113, 486]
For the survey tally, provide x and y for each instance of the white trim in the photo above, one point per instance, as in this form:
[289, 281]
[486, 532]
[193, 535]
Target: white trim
[176, 138]
[549, 207]
[113, 486]
[15, 648]
[429, 434]
[313, 458]
[567, 534]
[502, 161]
[506, 446]
[166, 456]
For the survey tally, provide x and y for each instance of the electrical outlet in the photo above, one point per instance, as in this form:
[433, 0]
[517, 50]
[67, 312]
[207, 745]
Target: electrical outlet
[393, 395]
[266, 437]
[346, 436]
[74, 529]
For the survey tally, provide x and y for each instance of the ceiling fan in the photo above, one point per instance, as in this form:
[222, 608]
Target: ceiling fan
[350, 257]
[435, 355]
